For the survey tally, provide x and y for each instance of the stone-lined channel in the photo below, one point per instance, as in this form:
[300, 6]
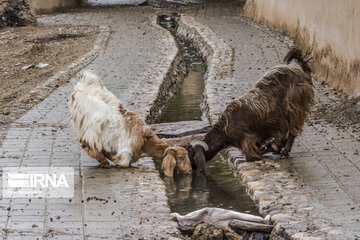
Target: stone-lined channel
[218, 187]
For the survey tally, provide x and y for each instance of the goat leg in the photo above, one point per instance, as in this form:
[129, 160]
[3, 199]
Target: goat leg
[250, 149]
[288, 146]
[93, 153]
[123, 159]
[200, 160]
[99, 157]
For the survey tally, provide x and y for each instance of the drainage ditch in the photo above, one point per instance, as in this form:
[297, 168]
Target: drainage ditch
[218, 187]
[185, 104]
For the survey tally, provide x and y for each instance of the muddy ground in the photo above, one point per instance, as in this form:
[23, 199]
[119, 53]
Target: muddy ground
[25, 49]
[336, 108]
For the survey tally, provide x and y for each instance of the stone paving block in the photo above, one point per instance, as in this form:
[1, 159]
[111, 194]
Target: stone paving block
[52, 236]
[132, 66]
[24, 237]
[27, 218]
[64, 215]
[102, 228]
[30, 226]
[28, 200]
[28, 212]
[10, 162]
[2, 226]
[72, 227]
[93, 215]
[344, 209]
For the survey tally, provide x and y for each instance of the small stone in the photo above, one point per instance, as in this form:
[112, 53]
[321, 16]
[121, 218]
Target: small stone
[42, 65]
[281, 217]
[304, 236]
[28, 66]
[300, 198]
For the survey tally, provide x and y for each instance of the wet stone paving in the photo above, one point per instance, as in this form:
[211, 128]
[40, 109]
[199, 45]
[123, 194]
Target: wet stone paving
[325, 157]
[108, 203]
[121, 203]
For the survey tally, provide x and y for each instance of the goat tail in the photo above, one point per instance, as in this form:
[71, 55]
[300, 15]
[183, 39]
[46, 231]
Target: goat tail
[90, 79]
[296, 54]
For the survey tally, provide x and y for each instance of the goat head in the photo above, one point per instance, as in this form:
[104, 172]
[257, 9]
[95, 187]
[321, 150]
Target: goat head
[176, 157]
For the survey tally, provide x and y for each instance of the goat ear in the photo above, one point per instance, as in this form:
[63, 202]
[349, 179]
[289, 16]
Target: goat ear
[168, 164]
[199, 159]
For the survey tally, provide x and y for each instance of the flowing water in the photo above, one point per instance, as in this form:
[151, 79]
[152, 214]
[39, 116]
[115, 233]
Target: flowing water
[218, 187]
[185, 105]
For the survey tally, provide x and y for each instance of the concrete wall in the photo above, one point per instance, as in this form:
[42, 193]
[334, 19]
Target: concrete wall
[47, 6]
[330, 28]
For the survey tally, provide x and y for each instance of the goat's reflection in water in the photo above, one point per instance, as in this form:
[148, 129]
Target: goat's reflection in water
[180, 185]
[217, 187]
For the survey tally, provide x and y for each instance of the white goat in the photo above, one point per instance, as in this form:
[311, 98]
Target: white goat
[105, 129]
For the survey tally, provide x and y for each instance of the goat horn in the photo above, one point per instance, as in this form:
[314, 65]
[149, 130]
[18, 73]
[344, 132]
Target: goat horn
[200, 144]
[168, 149]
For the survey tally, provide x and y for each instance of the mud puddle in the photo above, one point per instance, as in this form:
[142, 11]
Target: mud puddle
[218, 187]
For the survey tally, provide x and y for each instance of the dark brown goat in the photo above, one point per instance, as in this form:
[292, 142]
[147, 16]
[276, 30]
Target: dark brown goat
[274, 109]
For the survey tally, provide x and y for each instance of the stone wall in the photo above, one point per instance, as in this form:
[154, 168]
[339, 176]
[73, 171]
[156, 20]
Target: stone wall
[329, 28]
[47, 6]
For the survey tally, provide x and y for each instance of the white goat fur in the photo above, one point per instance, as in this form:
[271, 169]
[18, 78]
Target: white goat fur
[98, 121]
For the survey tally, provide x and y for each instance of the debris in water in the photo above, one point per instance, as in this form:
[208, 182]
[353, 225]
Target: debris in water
[217, 216]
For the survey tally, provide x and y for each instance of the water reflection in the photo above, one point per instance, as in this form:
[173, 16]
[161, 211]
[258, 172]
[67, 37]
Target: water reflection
[185, 105]
[217, 188]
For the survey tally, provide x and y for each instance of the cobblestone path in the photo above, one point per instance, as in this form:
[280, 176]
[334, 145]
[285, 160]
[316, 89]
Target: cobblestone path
[131, 202]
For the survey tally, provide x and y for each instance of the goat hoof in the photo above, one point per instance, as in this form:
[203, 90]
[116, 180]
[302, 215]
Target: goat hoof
[105, 165]
[284, 155]
[122, 165]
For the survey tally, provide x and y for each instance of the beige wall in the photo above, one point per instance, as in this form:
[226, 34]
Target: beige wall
[330, 28]
[47, 6]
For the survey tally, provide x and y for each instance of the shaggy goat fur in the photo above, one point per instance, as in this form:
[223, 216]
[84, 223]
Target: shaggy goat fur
[105, 129]
[275, 108]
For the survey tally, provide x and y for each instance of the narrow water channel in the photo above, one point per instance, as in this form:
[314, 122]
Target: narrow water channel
[218, 187]
[185, 105]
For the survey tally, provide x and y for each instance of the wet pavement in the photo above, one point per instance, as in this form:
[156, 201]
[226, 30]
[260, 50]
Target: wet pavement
[325, 156]
[108, 203]
[136, 55]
